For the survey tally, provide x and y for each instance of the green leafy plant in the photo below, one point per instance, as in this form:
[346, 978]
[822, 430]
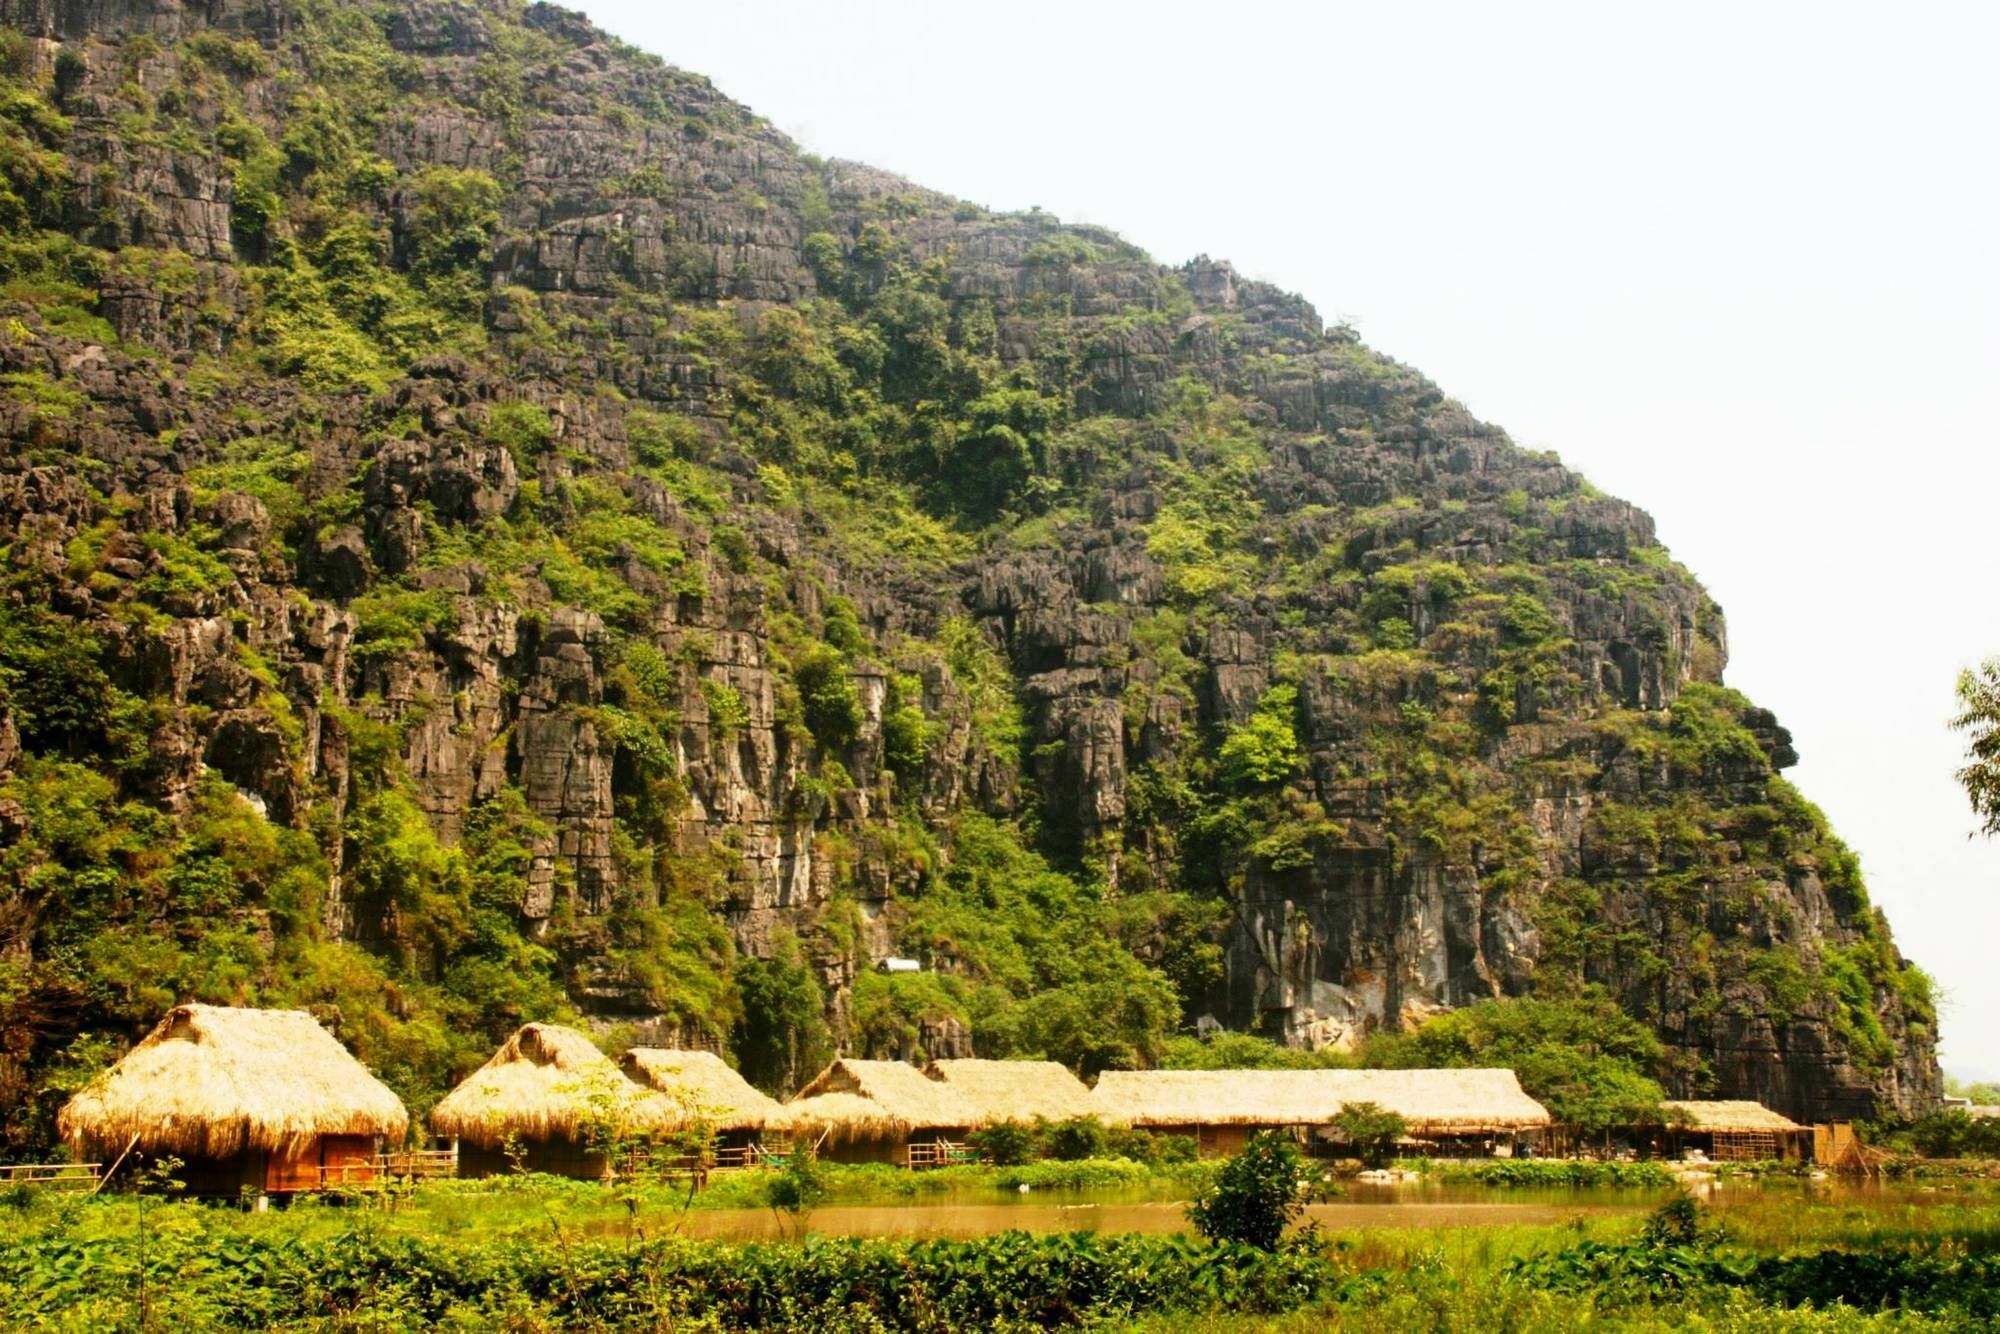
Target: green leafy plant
[1370, 1130]
[1255, 1196]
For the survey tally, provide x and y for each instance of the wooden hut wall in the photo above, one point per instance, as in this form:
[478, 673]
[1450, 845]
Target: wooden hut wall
[325, 1162]
[866, 1149]
[556, 1157]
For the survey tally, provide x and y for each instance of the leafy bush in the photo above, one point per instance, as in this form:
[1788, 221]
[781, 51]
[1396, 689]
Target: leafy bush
[1264, 750]
[831, 704]
[1369, 1129]
[1077, 1138]
[1952, 1133]
[1255, 1195]
[1004, 1143]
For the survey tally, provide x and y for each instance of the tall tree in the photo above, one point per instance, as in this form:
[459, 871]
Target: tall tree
[1979, 718]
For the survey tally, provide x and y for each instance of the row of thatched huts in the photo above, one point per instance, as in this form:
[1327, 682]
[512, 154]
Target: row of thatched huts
[268, 1101]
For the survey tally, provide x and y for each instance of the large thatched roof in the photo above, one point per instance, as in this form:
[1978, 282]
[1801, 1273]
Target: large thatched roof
[703, 1089]
[211, 1081]
[1429, 1101]
[548, 1082]
[1726, 1116]
[857, 1099]
[1016, 1090]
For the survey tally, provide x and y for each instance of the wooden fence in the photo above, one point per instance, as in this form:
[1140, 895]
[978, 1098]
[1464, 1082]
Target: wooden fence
[938, 1153]
[54, 1176]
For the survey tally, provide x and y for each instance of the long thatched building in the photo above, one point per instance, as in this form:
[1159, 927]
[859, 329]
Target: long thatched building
[264, 1100]
[550, 1094]
[1221, 1109]
[1022, 1091]
[1731, 1131]
[703, 1093]
[880, 1112]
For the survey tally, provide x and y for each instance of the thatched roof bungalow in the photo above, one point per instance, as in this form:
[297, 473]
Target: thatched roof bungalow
[1021, 1091]
[264, 1099]
[878, 1111]
[704, 1092]
[702, 1088]
[551, 1091]
[1223, 1108]
[1732, 1130]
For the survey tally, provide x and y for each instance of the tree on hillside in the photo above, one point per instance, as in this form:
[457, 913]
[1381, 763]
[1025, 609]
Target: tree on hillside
[1582, 1057]
[1979, 718]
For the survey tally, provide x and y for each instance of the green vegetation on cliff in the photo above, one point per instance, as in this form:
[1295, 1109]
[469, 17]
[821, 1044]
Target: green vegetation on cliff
[493, 531]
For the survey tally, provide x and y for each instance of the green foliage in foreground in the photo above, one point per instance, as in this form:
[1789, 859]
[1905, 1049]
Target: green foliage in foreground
[1677, 1254]
[1009, 1280]
[70, 1264]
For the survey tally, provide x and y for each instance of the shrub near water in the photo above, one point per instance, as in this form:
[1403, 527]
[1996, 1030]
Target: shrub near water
[1255, 1196]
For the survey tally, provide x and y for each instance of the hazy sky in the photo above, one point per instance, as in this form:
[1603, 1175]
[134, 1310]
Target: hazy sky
[1735, 262]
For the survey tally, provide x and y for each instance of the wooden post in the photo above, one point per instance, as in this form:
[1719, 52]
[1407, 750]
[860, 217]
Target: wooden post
[130, 1144]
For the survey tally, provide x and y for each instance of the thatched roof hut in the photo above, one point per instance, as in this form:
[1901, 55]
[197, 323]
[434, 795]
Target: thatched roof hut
[1728, 1117]
[216, 1082]
[702, 1088]
[1431, 1102]
[864, 1099]
[548, 1082]
[1016, 1090]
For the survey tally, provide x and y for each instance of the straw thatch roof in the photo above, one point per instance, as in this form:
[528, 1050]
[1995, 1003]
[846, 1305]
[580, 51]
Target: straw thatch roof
[703, 1089]
[548, 1082]
[859, 1099]
[211, 1081]
[1016, 1090]
[1726, 1116]
[841, 1117]
[1429, 1101]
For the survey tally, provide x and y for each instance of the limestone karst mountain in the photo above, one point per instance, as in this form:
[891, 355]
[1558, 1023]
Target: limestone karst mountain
[490, 523]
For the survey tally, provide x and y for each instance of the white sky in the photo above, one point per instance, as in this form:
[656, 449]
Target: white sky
[1735, 262]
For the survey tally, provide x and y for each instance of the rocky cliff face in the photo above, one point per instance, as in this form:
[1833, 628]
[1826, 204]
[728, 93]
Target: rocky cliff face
[579, 519]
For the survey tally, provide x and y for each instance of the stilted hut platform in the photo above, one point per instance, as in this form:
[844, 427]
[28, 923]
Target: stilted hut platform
[1222, 1109]
[1733, 1131]
[705, 1093]
[1023, 1091]
[260, 1100]
[882, 1112]
[565, 1105]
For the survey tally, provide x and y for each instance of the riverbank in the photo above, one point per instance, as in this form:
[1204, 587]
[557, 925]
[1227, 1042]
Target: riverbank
[512, 1256]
